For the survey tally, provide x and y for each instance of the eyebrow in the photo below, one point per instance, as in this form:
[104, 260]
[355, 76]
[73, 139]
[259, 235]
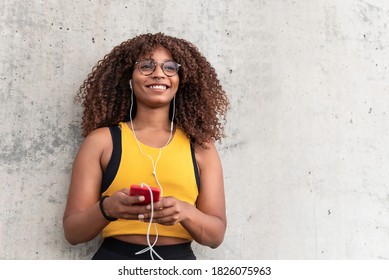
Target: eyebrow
[169, 59]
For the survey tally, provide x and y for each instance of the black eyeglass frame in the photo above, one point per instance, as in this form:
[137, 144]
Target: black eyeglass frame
[155, 67]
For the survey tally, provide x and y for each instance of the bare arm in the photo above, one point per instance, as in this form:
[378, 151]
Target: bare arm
[83, 220]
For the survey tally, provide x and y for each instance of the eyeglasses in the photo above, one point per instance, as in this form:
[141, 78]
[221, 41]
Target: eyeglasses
[147, 67]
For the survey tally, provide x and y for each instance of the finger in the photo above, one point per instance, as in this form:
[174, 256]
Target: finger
[131, 200]
[154, 220]
[130, 212]
[163, 203]
[141, 217]
[157, 205]
[129, 217]
[167, 221]
[159, 214]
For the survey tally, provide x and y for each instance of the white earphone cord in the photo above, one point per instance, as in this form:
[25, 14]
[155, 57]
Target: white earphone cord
[154, 165]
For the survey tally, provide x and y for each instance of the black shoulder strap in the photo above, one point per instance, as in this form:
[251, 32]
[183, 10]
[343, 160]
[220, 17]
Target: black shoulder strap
[113, 165]
[195, 167]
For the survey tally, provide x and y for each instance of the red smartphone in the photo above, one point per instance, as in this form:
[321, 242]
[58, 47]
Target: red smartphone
[136, 190]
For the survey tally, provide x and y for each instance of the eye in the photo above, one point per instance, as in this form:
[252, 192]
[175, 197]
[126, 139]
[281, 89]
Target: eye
[146, 65]
[170, 66]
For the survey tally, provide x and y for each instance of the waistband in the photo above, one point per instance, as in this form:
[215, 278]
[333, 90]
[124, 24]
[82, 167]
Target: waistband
[125, 250]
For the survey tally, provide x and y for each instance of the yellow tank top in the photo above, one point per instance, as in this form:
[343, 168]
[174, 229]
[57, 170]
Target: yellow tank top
[175, 172]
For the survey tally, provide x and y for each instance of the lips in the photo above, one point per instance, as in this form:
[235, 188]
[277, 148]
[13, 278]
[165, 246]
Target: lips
[158, 86]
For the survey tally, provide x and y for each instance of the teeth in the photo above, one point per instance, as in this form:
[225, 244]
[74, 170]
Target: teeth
[158, 87]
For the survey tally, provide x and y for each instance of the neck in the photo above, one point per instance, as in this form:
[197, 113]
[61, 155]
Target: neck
[152, 119]
[151, 127]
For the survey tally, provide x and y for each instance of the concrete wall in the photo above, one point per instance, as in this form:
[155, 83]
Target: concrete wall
[306, 159]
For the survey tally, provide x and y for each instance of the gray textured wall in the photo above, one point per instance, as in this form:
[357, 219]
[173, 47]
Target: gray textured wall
[306, 158]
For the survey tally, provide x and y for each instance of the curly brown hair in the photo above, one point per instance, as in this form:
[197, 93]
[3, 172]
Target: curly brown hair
[201, 103]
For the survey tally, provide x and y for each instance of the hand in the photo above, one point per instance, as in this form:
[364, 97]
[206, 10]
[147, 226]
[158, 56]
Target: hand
[168, 211]
[121, 205]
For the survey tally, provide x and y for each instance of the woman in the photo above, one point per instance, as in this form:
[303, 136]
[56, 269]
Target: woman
[153, 108]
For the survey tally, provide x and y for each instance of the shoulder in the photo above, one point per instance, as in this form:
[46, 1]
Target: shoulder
[207, 149]
[97, 142]
[99, 136]
[207, 156]
[96, 148]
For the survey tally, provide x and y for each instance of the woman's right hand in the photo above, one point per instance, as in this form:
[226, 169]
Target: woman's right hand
[122, 206]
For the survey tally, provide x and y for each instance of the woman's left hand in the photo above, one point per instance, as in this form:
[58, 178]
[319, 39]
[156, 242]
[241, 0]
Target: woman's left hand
[168, 211]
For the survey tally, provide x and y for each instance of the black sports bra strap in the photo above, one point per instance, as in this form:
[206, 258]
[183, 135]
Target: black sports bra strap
[113, 165]
[195, 167]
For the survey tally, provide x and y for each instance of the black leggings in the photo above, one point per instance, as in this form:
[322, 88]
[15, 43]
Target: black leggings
[114, 249]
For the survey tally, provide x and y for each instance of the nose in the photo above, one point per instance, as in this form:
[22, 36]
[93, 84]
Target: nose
[158, 72]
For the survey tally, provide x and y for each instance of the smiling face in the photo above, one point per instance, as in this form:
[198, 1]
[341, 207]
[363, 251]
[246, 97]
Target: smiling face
[156, 89]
